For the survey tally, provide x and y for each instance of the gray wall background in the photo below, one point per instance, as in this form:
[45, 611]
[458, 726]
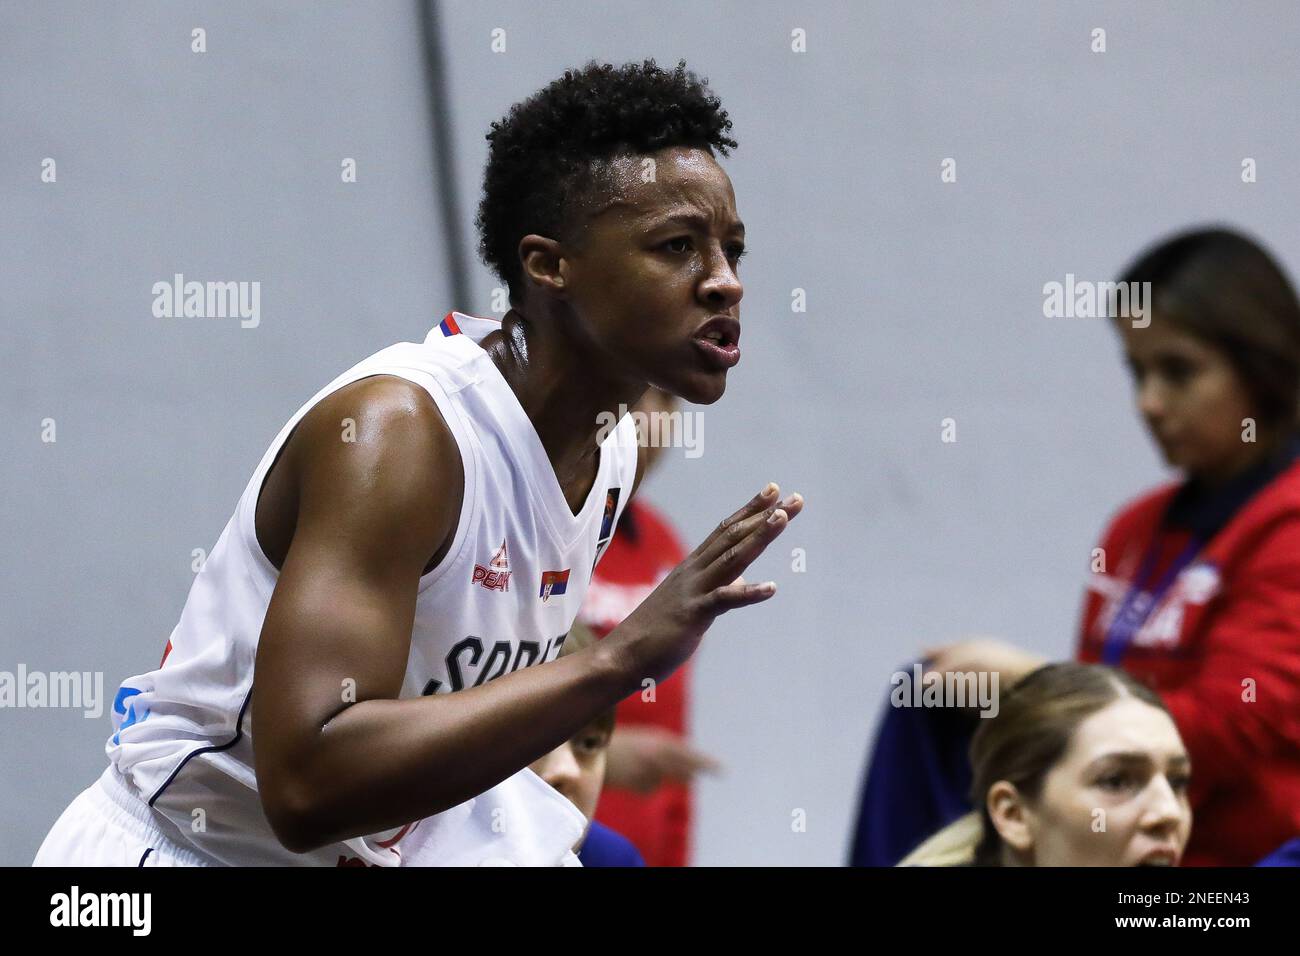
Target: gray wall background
[924, 302]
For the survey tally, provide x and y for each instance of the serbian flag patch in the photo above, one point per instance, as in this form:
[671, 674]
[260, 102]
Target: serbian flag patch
[553, 582]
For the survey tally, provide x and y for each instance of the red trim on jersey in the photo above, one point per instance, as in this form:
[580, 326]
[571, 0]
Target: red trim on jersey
[386, 844]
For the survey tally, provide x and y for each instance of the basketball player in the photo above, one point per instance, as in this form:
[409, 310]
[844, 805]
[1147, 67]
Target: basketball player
[349, 680]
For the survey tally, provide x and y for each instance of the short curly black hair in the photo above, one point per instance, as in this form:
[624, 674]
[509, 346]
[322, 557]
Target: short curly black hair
[543, 155]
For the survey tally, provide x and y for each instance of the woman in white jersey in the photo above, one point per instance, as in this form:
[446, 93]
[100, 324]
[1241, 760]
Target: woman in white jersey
[349, 682]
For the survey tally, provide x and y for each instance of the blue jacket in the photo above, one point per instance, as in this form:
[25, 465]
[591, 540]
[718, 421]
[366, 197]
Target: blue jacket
[606, 847]
[917, 781]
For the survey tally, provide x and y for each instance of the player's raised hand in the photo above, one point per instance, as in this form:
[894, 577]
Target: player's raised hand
[669, 624]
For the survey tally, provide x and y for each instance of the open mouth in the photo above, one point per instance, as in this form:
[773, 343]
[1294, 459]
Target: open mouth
[719, 341]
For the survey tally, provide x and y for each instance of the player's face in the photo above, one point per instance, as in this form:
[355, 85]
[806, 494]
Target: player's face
[576, 768]
[1119, 795]
[654, 263]
[1191, 398]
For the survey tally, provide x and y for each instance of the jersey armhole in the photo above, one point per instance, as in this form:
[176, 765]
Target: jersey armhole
[247, 510]
[469, 458]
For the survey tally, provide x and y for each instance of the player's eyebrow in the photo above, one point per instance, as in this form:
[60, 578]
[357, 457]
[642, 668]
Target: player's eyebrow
[694, 219]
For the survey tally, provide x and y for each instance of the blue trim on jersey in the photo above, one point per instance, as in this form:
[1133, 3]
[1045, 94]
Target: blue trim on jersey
[145, 857]
[446, 329]
[127, 711]
[215, 748]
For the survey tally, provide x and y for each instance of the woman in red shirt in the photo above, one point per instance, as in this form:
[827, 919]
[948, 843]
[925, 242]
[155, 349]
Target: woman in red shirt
[1195, 588]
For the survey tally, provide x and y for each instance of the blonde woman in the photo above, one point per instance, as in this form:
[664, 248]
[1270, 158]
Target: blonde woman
[1082, 766]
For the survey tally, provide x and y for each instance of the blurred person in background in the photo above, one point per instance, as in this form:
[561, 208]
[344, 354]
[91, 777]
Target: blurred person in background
[577, 770]
[1195, 588]
[651, 763]
[1081, 766]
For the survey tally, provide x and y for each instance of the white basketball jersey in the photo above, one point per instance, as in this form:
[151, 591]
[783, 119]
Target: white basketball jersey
[504, 597]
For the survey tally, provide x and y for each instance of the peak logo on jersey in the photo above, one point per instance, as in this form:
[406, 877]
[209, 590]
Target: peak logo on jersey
[496, 576]
[553, 582]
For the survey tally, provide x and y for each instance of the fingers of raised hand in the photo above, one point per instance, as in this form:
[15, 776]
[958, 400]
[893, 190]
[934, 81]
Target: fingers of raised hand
[745, 540]
[760, 502]
[737, 594]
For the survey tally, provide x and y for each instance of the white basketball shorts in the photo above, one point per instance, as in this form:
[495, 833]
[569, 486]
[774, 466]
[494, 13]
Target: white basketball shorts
[109, 825]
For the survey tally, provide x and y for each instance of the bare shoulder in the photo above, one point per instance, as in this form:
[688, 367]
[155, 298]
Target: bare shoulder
[377, 454]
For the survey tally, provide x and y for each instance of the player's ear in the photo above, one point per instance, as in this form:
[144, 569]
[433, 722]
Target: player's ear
[1010, 815]
[541, 260]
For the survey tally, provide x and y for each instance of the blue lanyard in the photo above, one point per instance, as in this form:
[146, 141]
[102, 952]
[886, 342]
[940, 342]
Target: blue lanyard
[1138, 603]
